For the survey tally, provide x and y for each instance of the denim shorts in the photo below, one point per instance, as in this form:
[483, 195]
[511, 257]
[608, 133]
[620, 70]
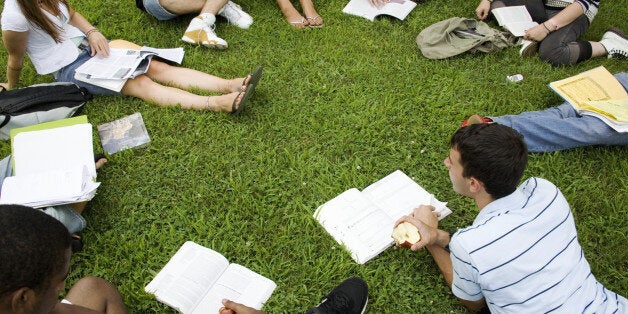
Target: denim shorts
[66, 74]
[155, 9]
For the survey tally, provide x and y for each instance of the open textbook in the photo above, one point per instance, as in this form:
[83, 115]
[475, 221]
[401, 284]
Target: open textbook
[196, 279]
[121, 64]
[51, 166]
[515, 19]
[395, 8]
[363, 221]
[597, 93]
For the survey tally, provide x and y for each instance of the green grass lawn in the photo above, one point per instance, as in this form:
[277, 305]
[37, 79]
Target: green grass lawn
[338, 107]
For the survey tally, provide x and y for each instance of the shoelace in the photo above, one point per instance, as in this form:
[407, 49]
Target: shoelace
[337, 303]
[231, 11]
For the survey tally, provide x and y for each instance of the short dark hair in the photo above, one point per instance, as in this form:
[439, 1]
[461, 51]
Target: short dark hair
[32, 248]
[492, 153]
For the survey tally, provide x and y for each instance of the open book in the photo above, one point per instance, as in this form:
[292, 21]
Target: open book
[196, 279]
[597, 93]
[515, 19]
[395, 8]
[363, 221]
[122, 64]
[126, 132]
[52, 166]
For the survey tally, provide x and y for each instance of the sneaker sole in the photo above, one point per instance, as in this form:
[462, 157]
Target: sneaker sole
[210, 44]
[530, 50]
[617, 32]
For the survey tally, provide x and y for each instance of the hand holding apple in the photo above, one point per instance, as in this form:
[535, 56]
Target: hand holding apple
[406, 234]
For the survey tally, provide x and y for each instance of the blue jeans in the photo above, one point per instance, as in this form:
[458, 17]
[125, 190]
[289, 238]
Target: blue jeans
[561, 127]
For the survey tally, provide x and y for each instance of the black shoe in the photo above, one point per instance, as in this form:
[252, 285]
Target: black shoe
[349, 297]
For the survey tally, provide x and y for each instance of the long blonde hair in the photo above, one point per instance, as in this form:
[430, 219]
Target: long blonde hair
[32, 10]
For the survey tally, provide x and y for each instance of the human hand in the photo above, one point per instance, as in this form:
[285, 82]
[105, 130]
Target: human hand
[483, 9]
[536, 33]
[427, 215]
[5, 86]
[98, 44]
[231, 307]
[378, 3]
[428, 234]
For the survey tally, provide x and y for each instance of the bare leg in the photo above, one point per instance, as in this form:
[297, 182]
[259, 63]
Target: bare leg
[145, 88]
[193, 6]
[185, 78]
[597, 50]
[96, 294]
[291, 14]
[313, 19]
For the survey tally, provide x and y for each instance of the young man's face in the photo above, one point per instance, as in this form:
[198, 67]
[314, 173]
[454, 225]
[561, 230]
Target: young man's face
[47, 299]
[460, 183]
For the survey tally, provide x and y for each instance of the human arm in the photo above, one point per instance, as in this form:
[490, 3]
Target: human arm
[97, 41]
[483, 9]
[15, 44]
[436, 241]
[231, 307]
[567, 15]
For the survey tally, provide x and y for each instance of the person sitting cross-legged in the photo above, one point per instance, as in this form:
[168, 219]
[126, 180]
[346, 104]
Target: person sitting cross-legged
[201, 28]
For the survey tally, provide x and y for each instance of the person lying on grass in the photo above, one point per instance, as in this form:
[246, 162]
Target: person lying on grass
[521, 254]
[58, 40]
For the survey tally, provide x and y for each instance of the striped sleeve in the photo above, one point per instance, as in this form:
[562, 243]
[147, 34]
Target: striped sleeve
[465, 283]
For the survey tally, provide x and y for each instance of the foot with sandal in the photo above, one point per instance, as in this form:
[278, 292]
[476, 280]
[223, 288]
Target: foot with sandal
[309, 19]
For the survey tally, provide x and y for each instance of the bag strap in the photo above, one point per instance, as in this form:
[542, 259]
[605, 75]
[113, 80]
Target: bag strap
[7, 118]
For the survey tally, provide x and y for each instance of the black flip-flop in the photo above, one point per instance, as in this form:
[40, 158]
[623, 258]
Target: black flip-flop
[99, 157]
[247, 93]
[76, 243]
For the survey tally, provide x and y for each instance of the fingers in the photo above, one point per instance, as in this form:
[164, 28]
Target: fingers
[233, 307]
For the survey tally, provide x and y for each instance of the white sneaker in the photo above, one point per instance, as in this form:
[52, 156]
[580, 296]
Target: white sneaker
[200, 33]
[234, 14]
[615, 43]
[528, 48]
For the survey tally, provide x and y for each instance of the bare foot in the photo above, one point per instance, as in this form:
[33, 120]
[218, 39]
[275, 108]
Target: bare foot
[238, 84]
[227, 102]
[294, 18]
[313, 19]
[101, 162]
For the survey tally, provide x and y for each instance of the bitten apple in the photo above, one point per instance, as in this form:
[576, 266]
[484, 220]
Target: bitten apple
[406, 234]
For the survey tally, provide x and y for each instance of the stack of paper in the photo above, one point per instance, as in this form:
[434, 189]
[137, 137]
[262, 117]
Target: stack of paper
[121, 64]
[52, 166]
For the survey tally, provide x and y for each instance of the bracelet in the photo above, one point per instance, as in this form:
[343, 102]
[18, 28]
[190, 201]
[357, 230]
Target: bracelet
[548, 30]
[93, 30]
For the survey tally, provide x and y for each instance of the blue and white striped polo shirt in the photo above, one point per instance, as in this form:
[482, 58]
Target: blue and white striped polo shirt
[522, 255]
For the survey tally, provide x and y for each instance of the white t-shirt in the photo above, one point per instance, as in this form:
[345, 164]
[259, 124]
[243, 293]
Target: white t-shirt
[47, 55]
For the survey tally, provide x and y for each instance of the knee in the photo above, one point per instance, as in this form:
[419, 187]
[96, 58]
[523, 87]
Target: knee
[138, 86]
[158, 67]
[556, 55]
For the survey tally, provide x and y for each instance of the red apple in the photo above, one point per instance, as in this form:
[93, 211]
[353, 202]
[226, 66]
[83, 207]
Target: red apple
[224, 310]
[406, 234]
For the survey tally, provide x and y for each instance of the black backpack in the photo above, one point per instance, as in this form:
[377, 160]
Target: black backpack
[39, 103]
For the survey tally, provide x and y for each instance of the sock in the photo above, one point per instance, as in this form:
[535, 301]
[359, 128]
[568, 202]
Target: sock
[203, 20]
